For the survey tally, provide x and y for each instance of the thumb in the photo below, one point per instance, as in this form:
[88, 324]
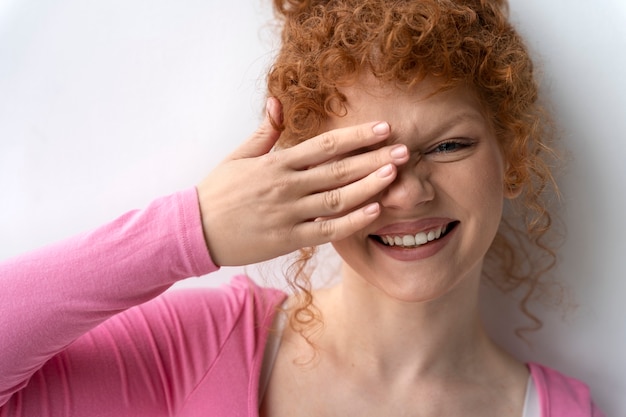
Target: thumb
[265, 136]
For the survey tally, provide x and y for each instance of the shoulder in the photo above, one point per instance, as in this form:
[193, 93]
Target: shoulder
[199, 321]
[225, 334]
[203, 325]
[240, 303]
[562, 395]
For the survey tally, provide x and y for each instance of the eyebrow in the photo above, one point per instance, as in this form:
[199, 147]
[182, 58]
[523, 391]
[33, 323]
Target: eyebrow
[448, 124]
[461, 117]
[440, 130]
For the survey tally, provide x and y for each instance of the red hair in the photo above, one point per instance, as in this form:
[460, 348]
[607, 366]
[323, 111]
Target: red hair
[326, 44]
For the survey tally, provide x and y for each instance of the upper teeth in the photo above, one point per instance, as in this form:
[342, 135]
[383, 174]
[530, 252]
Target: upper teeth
[413, 240]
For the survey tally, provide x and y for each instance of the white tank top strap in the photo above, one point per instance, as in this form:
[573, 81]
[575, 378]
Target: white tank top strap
[271, 350]
[531, 402]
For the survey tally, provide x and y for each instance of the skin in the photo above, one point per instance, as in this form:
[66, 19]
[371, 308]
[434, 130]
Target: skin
[257, 205]
[402, 334]
[455, 175]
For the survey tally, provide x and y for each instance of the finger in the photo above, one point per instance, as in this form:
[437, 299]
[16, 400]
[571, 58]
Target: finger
[266, 135]
[344, 199]
[334, 143]
[346, 170]
[333, 229]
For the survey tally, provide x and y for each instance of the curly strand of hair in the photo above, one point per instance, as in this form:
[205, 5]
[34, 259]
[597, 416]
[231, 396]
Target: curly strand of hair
[327, 44]
[304, 317]
[524, 272]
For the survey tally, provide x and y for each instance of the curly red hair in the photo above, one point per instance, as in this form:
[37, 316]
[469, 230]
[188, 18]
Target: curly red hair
[327, 44]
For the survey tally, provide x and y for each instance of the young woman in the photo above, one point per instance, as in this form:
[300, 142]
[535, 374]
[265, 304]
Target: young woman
[399, 130]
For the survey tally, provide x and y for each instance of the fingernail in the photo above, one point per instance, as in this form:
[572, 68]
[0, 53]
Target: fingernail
[381, 128]
[399, 152]
[385, 171]
[371, 209]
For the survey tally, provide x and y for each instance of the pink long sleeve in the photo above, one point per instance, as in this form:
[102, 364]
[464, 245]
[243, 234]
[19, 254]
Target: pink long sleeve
[82, 334]
[52, 296]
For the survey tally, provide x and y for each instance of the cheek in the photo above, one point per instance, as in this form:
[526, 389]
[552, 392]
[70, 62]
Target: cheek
[490, 171]
[349, 244]
[353, 250]
[489, 191]
[480, 179]
[490, 182]
[478, 185]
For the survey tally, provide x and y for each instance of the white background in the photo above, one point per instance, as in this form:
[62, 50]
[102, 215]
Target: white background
[105, 105]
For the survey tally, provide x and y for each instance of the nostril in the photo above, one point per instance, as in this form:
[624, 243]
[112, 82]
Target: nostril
[407, 190]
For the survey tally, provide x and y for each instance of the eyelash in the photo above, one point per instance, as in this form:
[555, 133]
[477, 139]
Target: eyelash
[443, 147]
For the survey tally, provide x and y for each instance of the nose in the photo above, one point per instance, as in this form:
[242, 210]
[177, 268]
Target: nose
[411, 188]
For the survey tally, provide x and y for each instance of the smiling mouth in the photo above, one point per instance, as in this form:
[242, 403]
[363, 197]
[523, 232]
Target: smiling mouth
[415, 241]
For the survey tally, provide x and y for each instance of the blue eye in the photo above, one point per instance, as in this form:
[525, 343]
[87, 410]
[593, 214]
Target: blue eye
[451, 146]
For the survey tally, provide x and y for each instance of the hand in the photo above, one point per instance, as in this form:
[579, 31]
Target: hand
[257, 205]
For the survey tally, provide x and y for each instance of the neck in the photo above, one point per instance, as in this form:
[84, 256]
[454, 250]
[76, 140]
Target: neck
[417, 338]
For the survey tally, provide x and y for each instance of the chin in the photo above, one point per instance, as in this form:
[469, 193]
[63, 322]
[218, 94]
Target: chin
[411, 288]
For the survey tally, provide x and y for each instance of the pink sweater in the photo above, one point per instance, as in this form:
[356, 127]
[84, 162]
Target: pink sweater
[184, 353]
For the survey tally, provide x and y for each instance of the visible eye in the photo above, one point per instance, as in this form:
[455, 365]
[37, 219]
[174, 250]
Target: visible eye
[451, 150]
[451, 146]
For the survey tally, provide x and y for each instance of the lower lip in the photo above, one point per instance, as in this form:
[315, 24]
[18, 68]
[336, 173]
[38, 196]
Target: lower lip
[415, 254]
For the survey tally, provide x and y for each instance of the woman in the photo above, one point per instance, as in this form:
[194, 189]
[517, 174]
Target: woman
[423, 120]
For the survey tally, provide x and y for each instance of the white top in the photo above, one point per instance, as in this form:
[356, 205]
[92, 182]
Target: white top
[531, 403]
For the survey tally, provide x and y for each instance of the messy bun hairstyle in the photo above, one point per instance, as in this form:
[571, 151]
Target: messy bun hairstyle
[328, 44]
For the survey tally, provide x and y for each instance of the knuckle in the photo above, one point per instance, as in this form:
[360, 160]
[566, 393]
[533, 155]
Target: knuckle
[283, 184]
[340, 170]
[378, 158]
[272, 158]
[361, 136]
[326, 229]
[332, 200]
[328, 143]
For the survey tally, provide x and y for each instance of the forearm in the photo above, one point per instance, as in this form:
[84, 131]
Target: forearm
[53, 295]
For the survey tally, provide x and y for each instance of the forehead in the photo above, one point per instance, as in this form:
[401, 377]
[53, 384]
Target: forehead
[420, 110]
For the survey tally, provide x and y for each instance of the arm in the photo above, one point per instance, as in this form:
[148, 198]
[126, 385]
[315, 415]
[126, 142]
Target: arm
[255, 206]
[161, 358]
[52, 296]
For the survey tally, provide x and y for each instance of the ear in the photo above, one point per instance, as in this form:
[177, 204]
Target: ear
[512, 191]
[512, 184]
